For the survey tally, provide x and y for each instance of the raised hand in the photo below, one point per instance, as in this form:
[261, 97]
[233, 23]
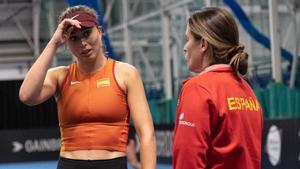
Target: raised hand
[64, 30]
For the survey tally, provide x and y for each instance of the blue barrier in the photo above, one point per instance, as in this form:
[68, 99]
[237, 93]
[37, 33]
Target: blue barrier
[253, 32]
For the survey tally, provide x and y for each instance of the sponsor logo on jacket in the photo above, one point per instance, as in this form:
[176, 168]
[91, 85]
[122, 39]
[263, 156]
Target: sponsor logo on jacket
[184, 122]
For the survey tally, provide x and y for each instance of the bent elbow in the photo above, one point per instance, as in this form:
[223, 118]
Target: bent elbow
[24, 98]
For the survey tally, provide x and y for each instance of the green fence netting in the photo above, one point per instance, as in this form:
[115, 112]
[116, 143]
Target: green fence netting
[163, 112]
[277, 101]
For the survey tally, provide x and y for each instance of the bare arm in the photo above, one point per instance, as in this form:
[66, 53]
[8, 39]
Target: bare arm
[142, 119]
[131, 155]
[36, 87]
[39, 83]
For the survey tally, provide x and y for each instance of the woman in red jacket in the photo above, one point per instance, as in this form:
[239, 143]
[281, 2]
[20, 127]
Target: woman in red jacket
[219, 120]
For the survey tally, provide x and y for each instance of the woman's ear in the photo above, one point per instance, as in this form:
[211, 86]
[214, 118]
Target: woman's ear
[204, 45]
[100, 29]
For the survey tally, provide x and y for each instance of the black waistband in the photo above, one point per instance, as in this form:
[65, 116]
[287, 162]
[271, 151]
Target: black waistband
[115, 163]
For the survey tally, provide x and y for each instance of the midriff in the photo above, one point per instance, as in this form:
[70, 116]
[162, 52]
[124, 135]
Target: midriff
[92, 154]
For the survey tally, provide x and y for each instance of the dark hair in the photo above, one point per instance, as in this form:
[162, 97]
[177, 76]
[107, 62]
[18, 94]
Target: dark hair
[78, 8]
[218, 27]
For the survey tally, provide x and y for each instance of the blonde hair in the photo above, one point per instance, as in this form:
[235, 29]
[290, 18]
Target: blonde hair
[82, 8]
[218, 27]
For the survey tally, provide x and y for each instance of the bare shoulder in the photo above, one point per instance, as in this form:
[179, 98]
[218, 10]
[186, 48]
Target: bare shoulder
[126, 69]
[58, 73]
[59, 70]
[126, 74]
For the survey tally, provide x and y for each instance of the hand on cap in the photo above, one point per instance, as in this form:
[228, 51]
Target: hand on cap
[64, 30]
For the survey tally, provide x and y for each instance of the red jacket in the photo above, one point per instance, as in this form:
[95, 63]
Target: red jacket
[218, 123]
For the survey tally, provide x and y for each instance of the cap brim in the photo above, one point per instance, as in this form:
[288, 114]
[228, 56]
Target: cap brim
[87, 24]
[85, 19]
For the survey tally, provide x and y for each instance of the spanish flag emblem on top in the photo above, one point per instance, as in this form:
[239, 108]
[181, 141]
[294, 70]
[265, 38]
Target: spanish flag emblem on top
[103, 82]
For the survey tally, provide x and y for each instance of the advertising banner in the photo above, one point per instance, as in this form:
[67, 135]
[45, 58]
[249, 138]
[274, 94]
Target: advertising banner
[29, 145]
[281, 144]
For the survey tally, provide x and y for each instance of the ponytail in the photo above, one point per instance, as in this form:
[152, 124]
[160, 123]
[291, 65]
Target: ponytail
[239, 59]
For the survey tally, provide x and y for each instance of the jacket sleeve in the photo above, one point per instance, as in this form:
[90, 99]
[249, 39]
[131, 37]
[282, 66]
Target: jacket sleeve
[193, 128]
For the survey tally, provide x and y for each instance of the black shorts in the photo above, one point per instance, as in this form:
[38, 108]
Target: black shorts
[116, 163]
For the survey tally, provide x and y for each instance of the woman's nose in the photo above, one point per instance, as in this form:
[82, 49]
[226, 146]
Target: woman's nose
[83, 42]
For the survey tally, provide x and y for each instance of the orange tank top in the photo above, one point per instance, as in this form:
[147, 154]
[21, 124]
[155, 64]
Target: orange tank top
[93, 110]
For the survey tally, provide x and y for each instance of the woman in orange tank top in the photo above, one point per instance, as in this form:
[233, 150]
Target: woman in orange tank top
[96, 96]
